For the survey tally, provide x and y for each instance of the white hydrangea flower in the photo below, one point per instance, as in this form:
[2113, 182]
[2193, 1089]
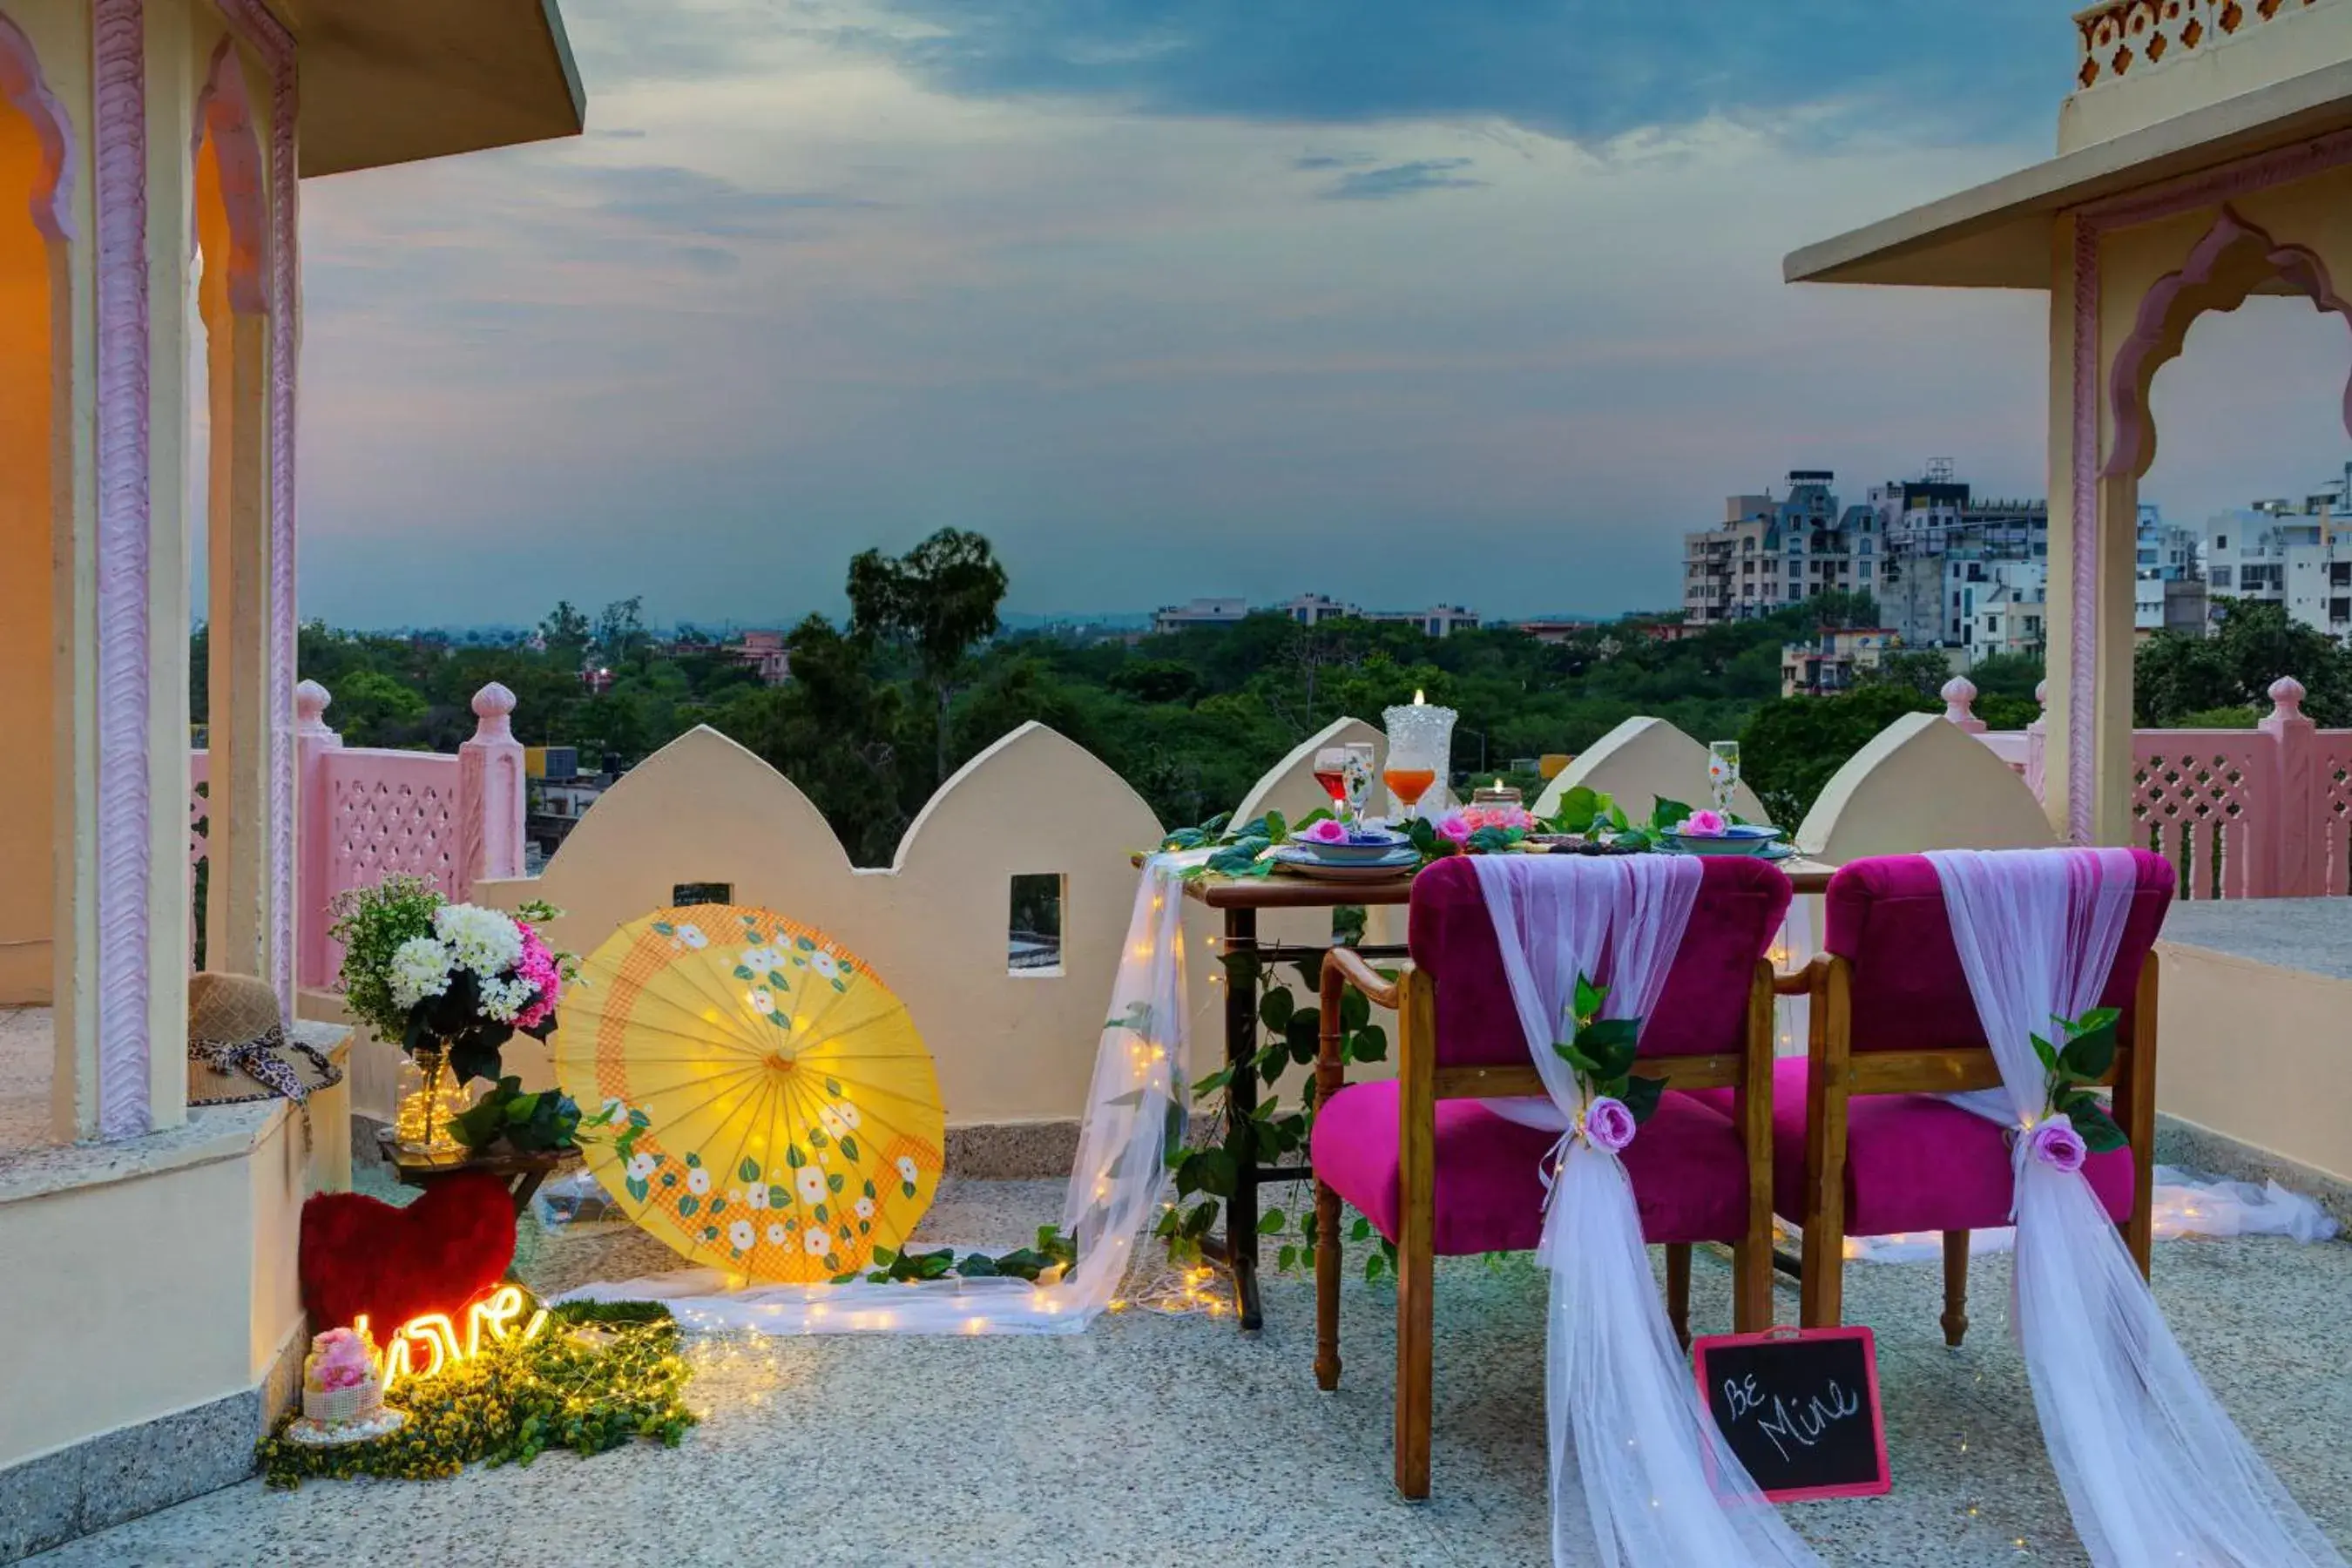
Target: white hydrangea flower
[817, 1243]
[740, 1235]
[420, 968]
[503, 1000]
[812, 1185]
[776, 1234]
[691, 935]
[824, 964]
[483, 941]
[698, 1181]
[757, 1196]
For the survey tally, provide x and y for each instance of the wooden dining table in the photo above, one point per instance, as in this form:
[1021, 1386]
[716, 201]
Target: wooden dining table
[1239, 900]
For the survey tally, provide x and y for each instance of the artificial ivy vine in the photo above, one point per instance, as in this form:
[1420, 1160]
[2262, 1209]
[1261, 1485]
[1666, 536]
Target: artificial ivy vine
[1277, 1131]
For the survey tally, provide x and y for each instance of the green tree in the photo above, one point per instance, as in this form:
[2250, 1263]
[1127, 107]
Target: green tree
[566, 632]
[936, 602]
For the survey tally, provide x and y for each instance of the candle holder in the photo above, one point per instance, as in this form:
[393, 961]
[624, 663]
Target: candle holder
[1421, 747]
[1496, 793]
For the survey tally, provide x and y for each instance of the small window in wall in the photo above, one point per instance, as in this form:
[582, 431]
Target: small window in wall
[1033, 936]
[686, 893]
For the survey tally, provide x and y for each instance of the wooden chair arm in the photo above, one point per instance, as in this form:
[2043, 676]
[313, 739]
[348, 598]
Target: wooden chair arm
[1351, 969]
[1341, 969]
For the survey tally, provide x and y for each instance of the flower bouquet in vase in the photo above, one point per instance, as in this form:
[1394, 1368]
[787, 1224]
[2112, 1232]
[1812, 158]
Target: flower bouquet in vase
[453, 984]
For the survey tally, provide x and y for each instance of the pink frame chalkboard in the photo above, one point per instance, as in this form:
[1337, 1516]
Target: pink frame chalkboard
[1885, 1481]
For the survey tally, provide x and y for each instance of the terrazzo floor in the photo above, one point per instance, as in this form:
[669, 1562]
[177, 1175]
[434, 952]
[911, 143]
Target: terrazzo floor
[1176, 1441]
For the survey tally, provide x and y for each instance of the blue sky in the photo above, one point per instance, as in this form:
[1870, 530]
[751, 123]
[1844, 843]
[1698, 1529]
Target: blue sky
[1398, 299]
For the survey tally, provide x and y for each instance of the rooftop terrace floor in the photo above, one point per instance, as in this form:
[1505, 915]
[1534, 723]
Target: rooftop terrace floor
[1152, 1440]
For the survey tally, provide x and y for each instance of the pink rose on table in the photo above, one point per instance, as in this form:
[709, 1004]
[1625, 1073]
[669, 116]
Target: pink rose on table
[1704, 825]
[1507, 817]
[1609, 1123]
[1455, 826]
[2056, 1145]
[1331, 830]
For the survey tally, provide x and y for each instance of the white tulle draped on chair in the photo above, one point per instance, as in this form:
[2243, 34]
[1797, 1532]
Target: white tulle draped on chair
[2153, 1470]
[1640, 1475]
[1135, 1109]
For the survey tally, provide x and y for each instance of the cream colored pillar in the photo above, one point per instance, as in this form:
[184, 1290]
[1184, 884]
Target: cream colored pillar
[241, 899]
[2088, 762]
[121, 921]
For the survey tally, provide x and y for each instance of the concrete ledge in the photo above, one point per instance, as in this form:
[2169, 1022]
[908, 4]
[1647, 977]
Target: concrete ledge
[100, 1481]
[2200, 1149]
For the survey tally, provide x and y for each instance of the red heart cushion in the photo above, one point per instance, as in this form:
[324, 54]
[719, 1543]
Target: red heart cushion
[360, 1255]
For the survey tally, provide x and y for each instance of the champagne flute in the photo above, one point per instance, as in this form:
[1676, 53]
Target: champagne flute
[1359, 779]
[1723, 772]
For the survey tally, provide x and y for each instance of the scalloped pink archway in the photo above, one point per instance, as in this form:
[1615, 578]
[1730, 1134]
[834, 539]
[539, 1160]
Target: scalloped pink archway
[2226, 266]
[22, 85]
[224, 113]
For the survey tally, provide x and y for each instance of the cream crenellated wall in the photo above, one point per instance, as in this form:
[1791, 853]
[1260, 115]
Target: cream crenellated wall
[1921, 783]
[1639, 762]
[1010, 1046]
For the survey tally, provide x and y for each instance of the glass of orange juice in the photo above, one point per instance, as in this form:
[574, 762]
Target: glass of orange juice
[1407, 779]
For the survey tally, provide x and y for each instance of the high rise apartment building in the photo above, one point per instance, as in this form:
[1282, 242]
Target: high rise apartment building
[1937, 560]
[2296, 555]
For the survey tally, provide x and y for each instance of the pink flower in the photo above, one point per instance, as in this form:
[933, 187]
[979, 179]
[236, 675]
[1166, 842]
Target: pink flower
[1704, 825]
[1505, 816]
[1609, 1123]
[2056, 1145]
[1453, 826]
[342, 1376]
[1331, 830]
[538, 968]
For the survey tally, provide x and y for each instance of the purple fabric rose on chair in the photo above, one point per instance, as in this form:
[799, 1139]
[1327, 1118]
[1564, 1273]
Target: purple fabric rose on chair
[1609, 1123]
[2056, 1145]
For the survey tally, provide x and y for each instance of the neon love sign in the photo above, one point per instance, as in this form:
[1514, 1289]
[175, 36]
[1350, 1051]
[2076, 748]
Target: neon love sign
[435, 1335]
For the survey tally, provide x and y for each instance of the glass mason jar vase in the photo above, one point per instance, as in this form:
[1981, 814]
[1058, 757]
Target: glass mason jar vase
[429, 1099]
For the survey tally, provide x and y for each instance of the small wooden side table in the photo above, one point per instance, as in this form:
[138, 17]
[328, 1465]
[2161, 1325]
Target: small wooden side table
[522, 1173]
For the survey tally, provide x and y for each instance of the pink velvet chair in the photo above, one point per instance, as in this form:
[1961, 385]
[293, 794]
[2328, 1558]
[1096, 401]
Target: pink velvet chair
[1438, 1173]
[1863, 1144]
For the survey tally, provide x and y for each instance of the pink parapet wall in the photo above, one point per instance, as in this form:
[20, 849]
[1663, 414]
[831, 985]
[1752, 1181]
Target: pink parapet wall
[368, 815]
[2264, 813]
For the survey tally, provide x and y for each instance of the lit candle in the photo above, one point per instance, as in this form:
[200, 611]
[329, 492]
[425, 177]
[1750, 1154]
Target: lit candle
[1417, 697]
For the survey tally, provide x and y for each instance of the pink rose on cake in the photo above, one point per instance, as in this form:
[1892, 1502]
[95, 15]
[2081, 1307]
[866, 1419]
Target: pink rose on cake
[341, 1358]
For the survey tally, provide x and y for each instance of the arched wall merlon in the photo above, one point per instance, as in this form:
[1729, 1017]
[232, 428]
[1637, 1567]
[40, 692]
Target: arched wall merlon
[1922, 784]
[2233, 260]
[1289, 787]
[1637, 762]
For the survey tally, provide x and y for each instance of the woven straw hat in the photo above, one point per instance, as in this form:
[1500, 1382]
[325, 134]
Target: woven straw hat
[236, 1042]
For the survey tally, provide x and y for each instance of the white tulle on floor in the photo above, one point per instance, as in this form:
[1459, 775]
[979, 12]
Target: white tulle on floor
[1135, 1111]
[1640, 1475]
[2153, 1470]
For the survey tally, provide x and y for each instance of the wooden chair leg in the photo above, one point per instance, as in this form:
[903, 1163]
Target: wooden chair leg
[1415, 1380]
[1327, 1288]
[1416, 1230]
[1751, 1285]
[1678, 1261]
[1956, 1287]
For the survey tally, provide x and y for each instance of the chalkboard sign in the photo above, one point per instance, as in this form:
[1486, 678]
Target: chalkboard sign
[1800, 1408]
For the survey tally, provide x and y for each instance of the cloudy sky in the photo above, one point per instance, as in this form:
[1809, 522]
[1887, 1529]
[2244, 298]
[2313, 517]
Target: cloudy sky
[1398, 300]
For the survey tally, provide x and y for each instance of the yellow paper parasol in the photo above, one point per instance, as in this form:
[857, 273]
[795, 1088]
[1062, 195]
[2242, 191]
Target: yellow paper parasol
[768, 1108]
